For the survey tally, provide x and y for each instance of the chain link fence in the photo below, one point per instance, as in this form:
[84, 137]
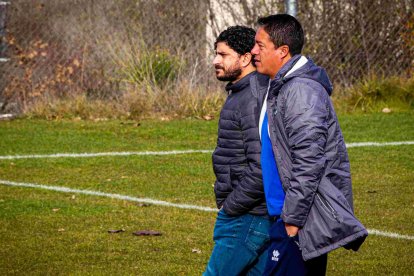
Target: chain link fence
[103, 48]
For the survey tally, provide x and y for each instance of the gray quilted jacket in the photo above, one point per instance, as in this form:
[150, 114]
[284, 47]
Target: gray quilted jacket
[312, 160]
[236, 159]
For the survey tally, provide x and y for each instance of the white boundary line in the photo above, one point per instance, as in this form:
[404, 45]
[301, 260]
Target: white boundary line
[390, 234]
[162, 203]
[173, 152]
[376, 144]
[115, 196]
[99, 154]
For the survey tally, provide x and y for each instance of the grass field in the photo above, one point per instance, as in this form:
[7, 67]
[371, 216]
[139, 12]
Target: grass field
[48, 232]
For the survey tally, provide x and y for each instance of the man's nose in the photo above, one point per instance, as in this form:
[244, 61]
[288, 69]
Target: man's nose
[255, 49]
[215, 60]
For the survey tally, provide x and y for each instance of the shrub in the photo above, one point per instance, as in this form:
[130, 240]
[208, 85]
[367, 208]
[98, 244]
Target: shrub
[374, 93]
[178, 101]
[157, 67]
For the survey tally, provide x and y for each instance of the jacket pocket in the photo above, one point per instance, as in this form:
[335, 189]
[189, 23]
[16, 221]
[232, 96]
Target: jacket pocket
[330, 223]
[328, 208]
[237, 174]
[222, 185]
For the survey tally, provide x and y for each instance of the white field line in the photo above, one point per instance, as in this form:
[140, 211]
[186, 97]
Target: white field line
[162, 203]
[173, 152]
[376, 144]
[115, 196]
[389, 234]
[99, 154]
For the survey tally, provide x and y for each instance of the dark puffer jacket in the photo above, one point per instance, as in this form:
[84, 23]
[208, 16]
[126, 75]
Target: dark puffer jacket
[236, 159]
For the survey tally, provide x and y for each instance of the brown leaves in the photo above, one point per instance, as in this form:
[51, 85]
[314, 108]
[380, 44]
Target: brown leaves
[116, 231]
[146, 233]
[136, 233]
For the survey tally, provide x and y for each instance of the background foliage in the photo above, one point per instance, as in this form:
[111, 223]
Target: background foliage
[153, 58]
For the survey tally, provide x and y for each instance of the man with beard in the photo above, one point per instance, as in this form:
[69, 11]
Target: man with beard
[242, 225]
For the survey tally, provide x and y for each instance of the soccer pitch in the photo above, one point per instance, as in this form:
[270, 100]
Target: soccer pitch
[56, 210]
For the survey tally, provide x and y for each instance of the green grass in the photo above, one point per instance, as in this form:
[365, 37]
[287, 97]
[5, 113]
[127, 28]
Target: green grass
[37, 136]
[166, 178]
[46, 232]
[34, 242]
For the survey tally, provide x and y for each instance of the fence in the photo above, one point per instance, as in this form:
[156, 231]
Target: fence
[2, 30]
[59, 47]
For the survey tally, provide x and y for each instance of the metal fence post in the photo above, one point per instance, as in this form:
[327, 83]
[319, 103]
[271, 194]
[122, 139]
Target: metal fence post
[291, 7]
[3, 44]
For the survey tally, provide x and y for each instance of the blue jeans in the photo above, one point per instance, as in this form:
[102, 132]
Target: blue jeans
[240, 245]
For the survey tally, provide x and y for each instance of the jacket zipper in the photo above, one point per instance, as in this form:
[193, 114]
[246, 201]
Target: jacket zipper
[328, 207]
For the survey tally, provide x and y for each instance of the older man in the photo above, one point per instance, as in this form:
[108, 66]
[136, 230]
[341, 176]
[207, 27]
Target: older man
[306, 171]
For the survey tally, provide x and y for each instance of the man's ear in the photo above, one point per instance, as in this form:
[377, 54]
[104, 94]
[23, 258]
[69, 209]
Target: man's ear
[284, 51]
[246, 59]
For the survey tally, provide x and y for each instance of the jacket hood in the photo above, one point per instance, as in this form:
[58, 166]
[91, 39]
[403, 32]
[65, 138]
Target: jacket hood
[309, 70]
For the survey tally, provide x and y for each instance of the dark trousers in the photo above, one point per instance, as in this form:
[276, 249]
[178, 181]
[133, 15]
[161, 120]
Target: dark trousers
[285, 258]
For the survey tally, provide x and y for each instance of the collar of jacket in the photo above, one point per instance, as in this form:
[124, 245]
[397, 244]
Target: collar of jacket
[280, 80]
[240, 85]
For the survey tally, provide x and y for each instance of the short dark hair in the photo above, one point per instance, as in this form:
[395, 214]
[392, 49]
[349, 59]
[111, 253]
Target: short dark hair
[284, 29]
[238, 38]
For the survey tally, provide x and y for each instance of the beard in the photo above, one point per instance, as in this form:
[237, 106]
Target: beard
[230, 74]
